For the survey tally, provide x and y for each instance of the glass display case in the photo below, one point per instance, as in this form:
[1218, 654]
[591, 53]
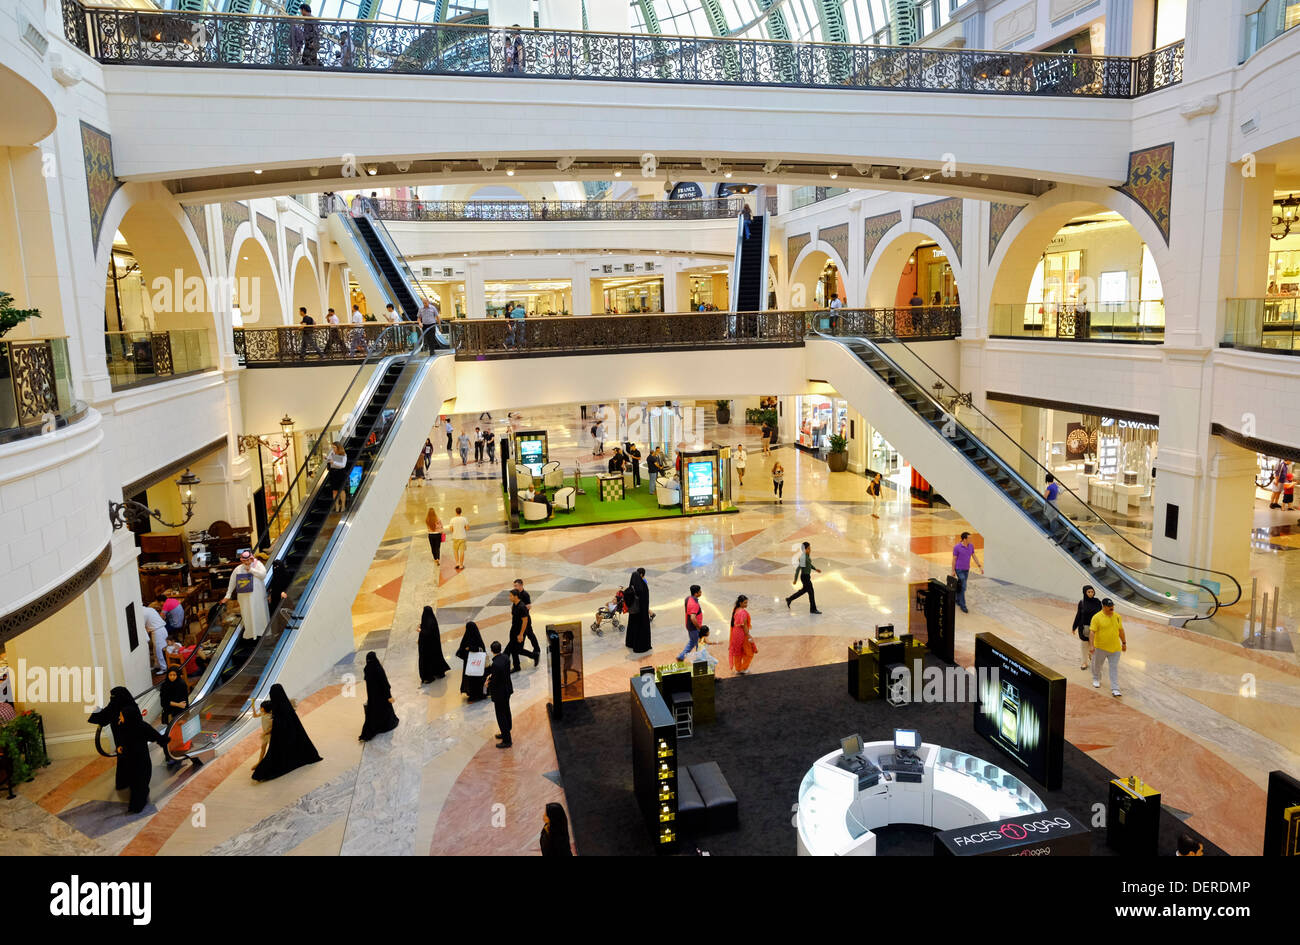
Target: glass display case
[993, 790]
[826, 797]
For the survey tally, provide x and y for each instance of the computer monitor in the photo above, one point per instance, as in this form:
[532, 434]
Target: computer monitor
[851, 746]
[906, 739]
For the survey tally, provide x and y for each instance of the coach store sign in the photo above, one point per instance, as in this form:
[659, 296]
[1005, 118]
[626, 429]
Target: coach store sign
[1052, 833]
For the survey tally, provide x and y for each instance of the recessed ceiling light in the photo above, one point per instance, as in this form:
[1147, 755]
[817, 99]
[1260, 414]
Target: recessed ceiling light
[510, 172]
[257, 170]
[618, 172]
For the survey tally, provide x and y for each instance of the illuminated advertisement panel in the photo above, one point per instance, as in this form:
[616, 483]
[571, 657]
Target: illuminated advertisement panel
[1021, 708]
[699, 484]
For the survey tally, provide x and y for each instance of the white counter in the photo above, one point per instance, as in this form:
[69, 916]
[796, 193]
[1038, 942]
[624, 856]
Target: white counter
[834, 818]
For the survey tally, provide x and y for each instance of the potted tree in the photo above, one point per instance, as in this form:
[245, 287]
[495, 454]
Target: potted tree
[724, 411]
[838, 458]
[11, 317]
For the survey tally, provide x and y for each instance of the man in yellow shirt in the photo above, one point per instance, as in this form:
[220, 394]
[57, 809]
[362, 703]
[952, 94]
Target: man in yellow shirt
[1106, 636]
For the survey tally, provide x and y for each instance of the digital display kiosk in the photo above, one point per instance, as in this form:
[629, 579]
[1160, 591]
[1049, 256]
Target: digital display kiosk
[531, 450]
[699, 484]
[1021, 708]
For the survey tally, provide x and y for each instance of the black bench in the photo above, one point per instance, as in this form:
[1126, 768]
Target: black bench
[705, 802]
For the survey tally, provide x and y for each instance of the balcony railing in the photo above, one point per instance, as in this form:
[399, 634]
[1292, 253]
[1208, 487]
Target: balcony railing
[542, 211]
[915, 323]
[35, 388]
[1270, 324]
[136, 358]
[165, 38]
[1266, 23]
[1121, 322]
[315, 344]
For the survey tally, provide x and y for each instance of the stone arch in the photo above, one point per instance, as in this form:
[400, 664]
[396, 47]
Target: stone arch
[306, 288]
[173, 264]
[255, 283]
[880, 278]
[806, 269]
[1017, 254]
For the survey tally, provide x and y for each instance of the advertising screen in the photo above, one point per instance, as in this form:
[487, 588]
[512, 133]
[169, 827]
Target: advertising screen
[354, 479]
[1021, 708]
[699, 484]
[532, 455]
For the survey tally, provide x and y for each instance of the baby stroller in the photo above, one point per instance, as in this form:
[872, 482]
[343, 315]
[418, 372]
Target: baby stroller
[611, 612]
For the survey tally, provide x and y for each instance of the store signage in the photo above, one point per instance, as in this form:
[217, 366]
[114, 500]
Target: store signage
[1128, 424]
[686, 190]
[1054, 832]
[699, 484]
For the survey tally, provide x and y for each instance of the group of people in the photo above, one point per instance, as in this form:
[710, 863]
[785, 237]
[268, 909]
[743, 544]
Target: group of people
[1281, 486]
[482, 441]
[740, 644]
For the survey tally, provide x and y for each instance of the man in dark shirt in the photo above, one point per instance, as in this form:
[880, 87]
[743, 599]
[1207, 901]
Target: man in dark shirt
[634, 458]
[500, 688]
[521, 628]
[616, 461]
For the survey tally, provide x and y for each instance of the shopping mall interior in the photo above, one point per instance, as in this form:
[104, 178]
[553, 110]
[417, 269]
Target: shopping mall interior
[346, 345]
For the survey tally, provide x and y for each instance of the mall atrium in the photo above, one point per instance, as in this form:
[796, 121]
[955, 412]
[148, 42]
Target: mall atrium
[352, 351]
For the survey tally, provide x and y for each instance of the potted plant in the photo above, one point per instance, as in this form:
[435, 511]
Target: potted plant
[724, 411]
[11, 317]
[838, 458]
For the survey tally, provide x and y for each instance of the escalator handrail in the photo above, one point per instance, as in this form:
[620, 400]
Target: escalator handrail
[1127, 570]
[291, 614]
[399, 260]
[1031, 458]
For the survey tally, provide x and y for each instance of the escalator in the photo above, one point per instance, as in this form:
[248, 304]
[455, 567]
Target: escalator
[749, 271]
[985, 473]
[404, 297]
[319, 559]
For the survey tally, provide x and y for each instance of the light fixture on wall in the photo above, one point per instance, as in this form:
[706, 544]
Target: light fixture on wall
[257, 170]
[618, 171]
[372, 169]
[510, 170]
[130, 514]
[1284, 216]
[833, 173]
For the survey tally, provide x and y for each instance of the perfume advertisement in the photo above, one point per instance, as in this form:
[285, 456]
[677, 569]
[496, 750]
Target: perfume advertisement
[1021, 708]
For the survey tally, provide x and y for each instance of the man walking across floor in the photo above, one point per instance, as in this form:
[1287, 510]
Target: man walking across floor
[449, 430]
[521, 628]
[458, 532]
[1107, 642]
[803, 575]
[694, 621]
[500, 689]
[963, 553]
[478, 446]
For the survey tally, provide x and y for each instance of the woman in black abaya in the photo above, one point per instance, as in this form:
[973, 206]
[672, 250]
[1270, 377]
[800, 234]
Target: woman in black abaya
[471, 642]
[432, 664]
[638, 618]
[132, 735]
[380, 716]
[289, 747]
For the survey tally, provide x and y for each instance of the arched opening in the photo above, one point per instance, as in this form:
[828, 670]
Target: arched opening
[1079, 272]
[157, 304]
[255, 294]
[815, 280]
[306, 291]
[910, 266]
[336, 290]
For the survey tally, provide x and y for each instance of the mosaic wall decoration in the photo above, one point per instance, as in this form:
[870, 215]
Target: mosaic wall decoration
[946, 215]
[837, 237]
[1151, 183]
[292, 240]
[232, 214]
[1000, 217]
[199, 222]
[874, 230]
[267, 226]
[794, 246]
[101, 182]
[314, 251]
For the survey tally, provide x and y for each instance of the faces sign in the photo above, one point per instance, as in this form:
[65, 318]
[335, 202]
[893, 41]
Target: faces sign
[1054, 832]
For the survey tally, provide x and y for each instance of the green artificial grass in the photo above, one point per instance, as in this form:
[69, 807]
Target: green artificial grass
[638, 505]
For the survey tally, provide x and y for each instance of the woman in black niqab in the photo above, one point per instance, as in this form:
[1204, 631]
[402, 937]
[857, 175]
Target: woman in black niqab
[471, 642]
[432, 664]
[554, 840]
[1089, 607]
[289, 746]
[131, 735]
[638, 617]
[380, 716]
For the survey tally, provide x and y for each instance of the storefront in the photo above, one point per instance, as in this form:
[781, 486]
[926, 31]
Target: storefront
[537, 298]
[819, 419]
[630, 296]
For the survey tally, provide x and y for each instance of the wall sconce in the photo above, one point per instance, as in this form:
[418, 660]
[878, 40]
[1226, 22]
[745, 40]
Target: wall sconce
[130, 514]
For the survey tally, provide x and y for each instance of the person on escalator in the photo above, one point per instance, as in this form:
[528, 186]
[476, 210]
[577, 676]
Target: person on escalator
[248, 581]
[174, 695]
[1088, 608]
[337, 461]
[131, 735]
[430, 317]
[747, 216]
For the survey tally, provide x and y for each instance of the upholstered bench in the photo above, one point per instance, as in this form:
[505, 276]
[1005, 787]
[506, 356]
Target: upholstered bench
[721, 811]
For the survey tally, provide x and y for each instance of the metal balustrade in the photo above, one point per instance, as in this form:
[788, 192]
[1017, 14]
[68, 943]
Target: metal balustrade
[35, 388]
[317, 344]
[539, 211]
[179, 38]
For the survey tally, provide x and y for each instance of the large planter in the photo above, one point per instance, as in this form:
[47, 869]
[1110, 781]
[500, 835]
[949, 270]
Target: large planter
[838, 462]
[724, 416]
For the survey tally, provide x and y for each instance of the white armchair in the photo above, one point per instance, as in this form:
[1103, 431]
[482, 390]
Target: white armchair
[552, 478]
[547, 467]
[523, 476]
[566, 498]
[668, 492]
[534, 511]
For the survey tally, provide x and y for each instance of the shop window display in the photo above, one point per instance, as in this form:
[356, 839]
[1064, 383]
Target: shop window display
[819, 419]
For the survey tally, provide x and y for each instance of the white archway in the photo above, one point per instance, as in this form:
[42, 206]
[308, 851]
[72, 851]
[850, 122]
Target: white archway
[306, 288]
[880, 278]
[255, 282]
[806, 270]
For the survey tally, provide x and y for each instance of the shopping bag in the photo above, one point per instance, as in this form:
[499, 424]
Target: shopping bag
[476, 664]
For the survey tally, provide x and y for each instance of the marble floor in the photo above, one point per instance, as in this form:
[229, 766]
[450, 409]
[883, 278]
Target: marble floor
[1202, 718]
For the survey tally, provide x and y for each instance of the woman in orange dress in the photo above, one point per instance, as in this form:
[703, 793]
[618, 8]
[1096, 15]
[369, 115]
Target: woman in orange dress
[740, 648]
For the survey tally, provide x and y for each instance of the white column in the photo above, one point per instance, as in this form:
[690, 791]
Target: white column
[580, 274]
[608, 16]
[1120, 23]
[475, 294]
[669, 273]
[560, 14]
[510, 13]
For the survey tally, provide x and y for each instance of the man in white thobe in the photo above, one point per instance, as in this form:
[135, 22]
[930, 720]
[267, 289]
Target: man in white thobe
[248, 580]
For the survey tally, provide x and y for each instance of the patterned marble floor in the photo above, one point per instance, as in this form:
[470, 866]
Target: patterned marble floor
[1204, 719]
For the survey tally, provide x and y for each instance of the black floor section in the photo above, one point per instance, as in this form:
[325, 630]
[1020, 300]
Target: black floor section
[771, 727]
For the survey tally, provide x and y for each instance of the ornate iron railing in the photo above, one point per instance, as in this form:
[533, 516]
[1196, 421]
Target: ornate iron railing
[912, 322]
[35, 388]
[316, 344]
[146, 357]
[167, 38]
[543, 211]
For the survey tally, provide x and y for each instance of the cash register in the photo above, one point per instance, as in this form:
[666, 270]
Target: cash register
[905, 765]
[852, 759]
